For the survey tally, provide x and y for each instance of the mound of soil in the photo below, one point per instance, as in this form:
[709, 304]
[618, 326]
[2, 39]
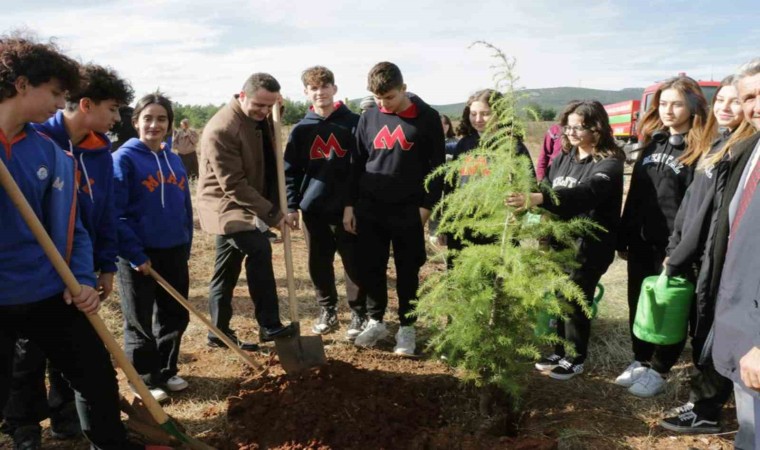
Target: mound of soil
[340, 406]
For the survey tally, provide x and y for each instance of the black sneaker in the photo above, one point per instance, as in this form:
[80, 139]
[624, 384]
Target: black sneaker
[27, 437]
[328, 321]
[690, 423]
[215, 342]
[358, 323]
[678, 410]
[566, 370]
[548, 362]
[269, 334]
[64, 423]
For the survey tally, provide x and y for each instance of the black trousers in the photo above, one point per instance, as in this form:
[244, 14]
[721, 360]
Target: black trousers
[325, 236]
[645, 260]
[190, 161]
[153, 321]
[576, 328]
[67, 338]
[455, 244]
[380, 226]
[231, 250]
[29, 401]
[709, 390]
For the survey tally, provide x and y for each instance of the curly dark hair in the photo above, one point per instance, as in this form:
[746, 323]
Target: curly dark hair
[22, 56]
[596, 120]
[100, 83]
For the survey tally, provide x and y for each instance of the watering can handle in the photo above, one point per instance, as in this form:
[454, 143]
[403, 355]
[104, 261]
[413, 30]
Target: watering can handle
[599, 293]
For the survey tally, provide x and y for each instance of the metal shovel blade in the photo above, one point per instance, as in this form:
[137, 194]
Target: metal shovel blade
[298, 353]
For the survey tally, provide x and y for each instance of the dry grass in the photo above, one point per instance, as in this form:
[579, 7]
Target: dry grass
[588, 412]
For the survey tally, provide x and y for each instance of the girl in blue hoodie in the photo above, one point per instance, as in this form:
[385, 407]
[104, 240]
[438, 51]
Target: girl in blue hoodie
[155, 226]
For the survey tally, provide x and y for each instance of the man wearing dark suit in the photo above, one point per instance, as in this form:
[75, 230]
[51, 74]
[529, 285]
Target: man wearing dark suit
[736, 349]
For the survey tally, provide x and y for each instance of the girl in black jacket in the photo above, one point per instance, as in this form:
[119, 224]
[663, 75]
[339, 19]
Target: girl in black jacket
[475, 119]
[688, 254]
[670, 131]
[587, 179]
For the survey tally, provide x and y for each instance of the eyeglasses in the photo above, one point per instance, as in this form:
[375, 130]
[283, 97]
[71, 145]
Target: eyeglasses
[575, 129]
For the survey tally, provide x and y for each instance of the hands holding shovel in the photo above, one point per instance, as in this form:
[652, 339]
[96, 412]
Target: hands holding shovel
[87, 300]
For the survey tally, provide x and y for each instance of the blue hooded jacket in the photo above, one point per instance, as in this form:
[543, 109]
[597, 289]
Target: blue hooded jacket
[45, 175]
[94, 177]
[152, 201]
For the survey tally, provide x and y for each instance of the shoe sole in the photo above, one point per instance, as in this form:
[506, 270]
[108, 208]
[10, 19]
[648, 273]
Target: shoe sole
[327, 331]
[177, 389]
[545, 367]
[564, 377]
[371, 344]
[407, 355]
[625, 384]
[688, 430]
[648, 395]
[161, 400]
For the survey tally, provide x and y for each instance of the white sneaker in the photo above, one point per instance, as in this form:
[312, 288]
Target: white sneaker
[648, 384]
[159, 394]
[176, 384]
[629, 375]
[373, 332]
[406, 341]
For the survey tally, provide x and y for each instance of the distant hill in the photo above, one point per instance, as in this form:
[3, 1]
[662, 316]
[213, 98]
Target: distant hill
[556, 98]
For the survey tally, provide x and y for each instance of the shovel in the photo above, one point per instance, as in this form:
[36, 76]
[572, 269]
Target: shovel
[184, 302]
[158, 414]
[296, 352]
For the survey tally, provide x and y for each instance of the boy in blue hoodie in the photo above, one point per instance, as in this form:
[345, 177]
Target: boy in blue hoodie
[317, 160]
[398, 144]
[79, 128]
[155, 231]
[34, 301]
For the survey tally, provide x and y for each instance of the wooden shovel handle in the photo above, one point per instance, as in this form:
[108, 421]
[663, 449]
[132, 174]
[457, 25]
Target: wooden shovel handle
[18, 199]
[278, 150]
[184, 302]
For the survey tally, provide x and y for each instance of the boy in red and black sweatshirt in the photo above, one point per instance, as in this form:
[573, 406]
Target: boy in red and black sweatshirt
[317, 163]
[398, 144]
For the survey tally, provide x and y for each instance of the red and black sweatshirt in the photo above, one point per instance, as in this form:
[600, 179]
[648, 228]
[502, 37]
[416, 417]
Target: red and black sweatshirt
[317, 161]
[395, 153]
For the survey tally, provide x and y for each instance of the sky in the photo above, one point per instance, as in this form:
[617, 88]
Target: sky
[200, 51]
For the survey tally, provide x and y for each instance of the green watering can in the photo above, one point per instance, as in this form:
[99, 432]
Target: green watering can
[546, 323]
[662, 314]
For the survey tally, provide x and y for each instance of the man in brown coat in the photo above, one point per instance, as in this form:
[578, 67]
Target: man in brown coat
[184, 142]
[237, 201]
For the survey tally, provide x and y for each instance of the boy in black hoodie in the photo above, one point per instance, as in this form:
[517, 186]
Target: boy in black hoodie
[398, 144]
[317, 160]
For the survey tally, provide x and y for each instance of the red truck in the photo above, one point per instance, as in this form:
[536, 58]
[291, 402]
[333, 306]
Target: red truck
[625, 116]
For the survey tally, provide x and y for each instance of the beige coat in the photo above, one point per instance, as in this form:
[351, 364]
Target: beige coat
[231, 185]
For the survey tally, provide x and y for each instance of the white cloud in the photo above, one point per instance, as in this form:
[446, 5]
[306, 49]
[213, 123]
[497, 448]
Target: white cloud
[201, 53]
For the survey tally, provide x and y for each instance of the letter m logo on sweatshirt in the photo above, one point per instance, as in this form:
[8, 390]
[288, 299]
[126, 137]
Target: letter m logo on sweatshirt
[322, 150]
[385, 140]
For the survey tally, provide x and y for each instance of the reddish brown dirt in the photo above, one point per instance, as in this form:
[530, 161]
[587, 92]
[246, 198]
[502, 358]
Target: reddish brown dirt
[341, 406]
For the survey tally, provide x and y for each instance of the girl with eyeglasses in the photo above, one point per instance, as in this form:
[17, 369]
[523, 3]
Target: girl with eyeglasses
[587, 180]
[670, 130]
[689, 253]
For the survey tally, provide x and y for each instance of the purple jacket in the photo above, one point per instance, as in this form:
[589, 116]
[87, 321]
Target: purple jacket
[551, 148]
